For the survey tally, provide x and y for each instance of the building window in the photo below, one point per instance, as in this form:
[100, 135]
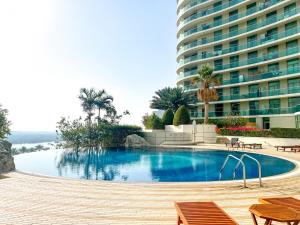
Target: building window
[252, 41]
[252, 57]
[233, 15]
[292, 47]
[251, 8]
[253, 107]
[290, 10]
[251, 24]
[235, 108]
[293, 85]
[234, 76]
[293, 102]
[235, 92]
[273, 67]
[234, 61]
[273, 52]
[293, 65]
[218, 64]
[274, 88]
[233, 30]
[233, 45]
[274, 103]
[218, 35]
[217, 5]
[253, 71]
[217, 20]
[292, 26]
[271, 34]
[253, 91]
[271, 17]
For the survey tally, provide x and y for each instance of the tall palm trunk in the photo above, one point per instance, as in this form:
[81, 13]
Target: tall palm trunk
[99, 115]
[206, 106]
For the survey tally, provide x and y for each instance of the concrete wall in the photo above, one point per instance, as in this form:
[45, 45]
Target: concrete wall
[283, 122]
[182, 135]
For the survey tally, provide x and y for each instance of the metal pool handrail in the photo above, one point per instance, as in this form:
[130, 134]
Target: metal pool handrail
[239, 162]
[258, 167]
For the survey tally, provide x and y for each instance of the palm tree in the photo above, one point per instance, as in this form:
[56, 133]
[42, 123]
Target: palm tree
[169, 98]
[207, 91]
[103, 101]
[88, 97]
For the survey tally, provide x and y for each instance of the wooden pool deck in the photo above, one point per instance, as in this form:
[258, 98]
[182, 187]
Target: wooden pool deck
[33, 200]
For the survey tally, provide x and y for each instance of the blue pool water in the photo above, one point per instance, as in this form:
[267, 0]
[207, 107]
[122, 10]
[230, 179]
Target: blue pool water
[145, 165]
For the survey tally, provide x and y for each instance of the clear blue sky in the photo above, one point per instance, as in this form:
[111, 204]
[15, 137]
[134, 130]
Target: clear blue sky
[52, 48]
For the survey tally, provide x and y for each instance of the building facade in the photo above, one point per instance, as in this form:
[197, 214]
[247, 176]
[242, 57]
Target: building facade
[253, 47]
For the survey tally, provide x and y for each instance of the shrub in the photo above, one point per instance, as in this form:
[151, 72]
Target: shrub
[168, 117]
[182, 116]
[153, 122]
[244, 131]
[285, 132]
[230, 121]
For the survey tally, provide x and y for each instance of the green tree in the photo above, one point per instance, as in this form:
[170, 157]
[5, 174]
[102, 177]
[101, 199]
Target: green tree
[182, 116]
[88, 98]
[4, 123]
[103, 101]
[152, 122]
[168, 117]
[169, 98]
[207, 91]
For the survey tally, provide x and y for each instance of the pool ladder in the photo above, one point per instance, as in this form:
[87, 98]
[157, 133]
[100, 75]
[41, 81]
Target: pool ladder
[240, 162]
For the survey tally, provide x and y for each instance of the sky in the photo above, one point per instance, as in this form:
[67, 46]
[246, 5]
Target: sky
[49, 49]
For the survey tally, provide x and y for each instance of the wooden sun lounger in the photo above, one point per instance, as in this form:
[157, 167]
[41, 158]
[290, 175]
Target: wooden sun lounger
[294, 148]
[201, 213]
[283, 201]
[252, 146]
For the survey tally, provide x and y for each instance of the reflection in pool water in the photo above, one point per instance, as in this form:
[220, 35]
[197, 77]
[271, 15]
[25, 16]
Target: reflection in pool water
[144, 165]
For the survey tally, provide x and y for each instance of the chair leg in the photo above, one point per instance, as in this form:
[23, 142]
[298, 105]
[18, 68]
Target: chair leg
[179, 220]
[254, 219]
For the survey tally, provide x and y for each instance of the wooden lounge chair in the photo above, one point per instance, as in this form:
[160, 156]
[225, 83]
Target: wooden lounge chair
[252, 146]
[199, 213]
[294, 148]
[283, 201]
[234, 143]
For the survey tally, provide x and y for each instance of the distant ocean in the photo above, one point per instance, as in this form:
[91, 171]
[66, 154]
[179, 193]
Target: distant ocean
[31, 138]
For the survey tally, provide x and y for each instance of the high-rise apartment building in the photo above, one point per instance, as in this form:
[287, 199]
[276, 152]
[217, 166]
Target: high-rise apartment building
[253, 47]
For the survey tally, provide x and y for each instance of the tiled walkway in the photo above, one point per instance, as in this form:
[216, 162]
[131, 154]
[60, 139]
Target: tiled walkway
[26, 199]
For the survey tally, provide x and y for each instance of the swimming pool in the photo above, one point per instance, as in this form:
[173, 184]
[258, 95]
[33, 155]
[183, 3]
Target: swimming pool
[160, 165]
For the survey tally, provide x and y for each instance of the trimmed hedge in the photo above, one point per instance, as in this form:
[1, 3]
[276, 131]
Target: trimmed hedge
[168, 117]
[182, 116]
[285, 132]
[244, 133]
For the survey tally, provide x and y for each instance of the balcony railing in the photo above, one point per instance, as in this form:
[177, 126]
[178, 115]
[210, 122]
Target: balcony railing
[232, 34]
[259, 59]
[207, 12]
[190, 5]
[266, 57]
[251, 112]
[226, 5]
[274, 37]
[243, 79]
[257, 94]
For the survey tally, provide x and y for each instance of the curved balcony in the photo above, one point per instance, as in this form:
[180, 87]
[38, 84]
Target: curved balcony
[207, 55]
[207, 12]
[190, 5]
[251, 112]
[248, 62]
[254, 95]
[259, 59]
[263, 23]
[245, 79]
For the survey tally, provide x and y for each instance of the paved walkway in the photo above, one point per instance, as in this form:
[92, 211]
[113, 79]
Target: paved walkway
[26, 199]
